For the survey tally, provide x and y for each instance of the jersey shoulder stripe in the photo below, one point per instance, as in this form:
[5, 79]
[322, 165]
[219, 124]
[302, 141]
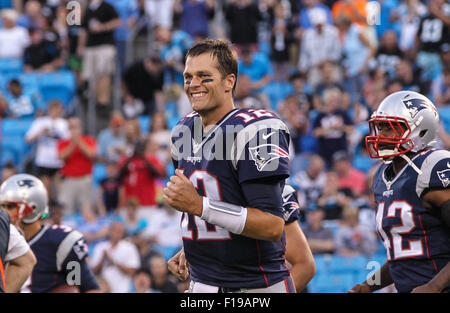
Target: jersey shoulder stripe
[428, 168]
[66, 246]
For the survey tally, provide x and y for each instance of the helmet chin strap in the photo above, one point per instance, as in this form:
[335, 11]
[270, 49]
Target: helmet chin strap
[411, 163]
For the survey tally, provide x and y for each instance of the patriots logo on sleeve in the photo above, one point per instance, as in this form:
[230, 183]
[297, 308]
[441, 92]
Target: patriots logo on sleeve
[80, 248]
[444, 176]
[414, 106]
[265, 153]
[25, 183]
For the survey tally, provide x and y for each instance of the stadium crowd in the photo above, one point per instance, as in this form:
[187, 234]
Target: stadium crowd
[323, 66]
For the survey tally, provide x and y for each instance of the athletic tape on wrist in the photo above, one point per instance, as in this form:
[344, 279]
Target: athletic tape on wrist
[228, 216]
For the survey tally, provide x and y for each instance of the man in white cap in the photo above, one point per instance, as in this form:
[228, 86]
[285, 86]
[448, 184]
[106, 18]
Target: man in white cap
[13, 39]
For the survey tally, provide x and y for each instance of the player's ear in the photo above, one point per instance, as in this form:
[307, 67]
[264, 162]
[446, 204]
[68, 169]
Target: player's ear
[230, 81]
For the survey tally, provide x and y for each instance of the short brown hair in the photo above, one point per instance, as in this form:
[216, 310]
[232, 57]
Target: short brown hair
[222, 51]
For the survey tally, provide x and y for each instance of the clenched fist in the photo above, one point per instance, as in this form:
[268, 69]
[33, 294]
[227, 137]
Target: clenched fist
[181, 194]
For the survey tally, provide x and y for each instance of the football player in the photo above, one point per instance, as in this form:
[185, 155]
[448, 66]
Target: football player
[60, 251]
[298, 253]
[231, 165]
[412, 192]
[16, 258]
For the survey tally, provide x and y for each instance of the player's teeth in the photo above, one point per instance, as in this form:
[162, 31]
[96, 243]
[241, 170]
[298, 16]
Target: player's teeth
[197, 95]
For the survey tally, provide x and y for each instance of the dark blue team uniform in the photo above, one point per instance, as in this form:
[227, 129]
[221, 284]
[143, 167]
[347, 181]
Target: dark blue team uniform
[291, 207]
[4, 241]
[417, 241]
[55, 247]
[256, 148]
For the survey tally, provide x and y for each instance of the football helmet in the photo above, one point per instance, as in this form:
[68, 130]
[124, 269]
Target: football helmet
[29, 195]
[404, 121]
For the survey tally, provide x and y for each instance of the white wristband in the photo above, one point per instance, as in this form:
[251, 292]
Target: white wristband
[226, 215]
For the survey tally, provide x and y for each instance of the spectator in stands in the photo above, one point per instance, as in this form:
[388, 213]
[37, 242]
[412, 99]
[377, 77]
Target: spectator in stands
[7, 171]
[355, 10]
[46, 131]
[433, 32]
[94, 227]
[143, 81]
[320, 239]
[3, 106]
[388, 53]
[297, 120]
[164, 228]
[128, 12]
[133, 135]
[108, 191]
[172, 46]
[243, 17]
[308, 5]
[332, 126]
[116, 260]
[160, 276]
[78, 154]
[13, 38]
[138, 174]
[310, 182]
[142, 282]
[334, 199]
[134, 225]
[358, 50]
[301, 91]
[257, 66]
[319, 43]
[97, 46]
[111, 140]
[160, 138]
[160, 12]
[330, 77]
[31, 15]
[245, 98]
[41, 55]
[410, 78]
[349, 177]
[144, 246]
[194, 16]
[441, 88]
[281, 39]
[23, 103]
[352, 238]
[374, 92]
[408, 14]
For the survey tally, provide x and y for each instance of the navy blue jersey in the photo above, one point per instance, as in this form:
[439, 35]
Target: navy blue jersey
[245, 145]
[4, 241]
[59, 251]
[291, 207]
[416, 239]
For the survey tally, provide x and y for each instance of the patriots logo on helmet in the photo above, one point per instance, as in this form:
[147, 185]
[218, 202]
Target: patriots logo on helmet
[444, 176]
[265, 153]
[25, 183]
[414, 106]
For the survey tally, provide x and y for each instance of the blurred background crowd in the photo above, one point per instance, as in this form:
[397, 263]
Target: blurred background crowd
[90, 89]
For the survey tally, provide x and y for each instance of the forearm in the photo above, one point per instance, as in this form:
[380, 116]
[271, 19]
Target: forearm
[301, 274]
[111, 25]
[263, 225]
[86, 150]
[442, 279]
[18, 271]
[65, 153]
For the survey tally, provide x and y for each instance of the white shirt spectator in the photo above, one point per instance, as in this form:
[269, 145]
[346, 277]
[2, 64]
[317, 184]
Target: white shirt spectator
[13, 42]
[124, 253]
[160, 12]
[46, 151]
[165, 228]
[319, 47]
[17, 245]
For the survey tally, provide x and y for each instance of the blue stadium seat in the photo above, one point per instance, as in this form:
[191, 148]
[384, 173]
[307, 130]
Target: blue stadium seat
[59, 85]
[444, 113]
[11, 66]
[277, 91]
[13, 148]
[29, 81]
[5, 4]
[322, 262]
[166, 251]
[15, 126]
[350, 265]
[144, 123]
[98, 173]
[331, 283]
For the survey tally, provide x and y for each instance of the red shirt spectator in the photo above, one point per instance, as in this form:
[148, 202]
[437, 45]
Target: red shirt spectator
[138, 175]
[77, 163]
[349, 177]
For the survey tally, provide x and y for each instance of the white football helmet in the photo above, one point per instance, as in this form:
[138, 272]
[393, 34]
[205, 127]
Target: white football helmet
[29, 195]
[413, 119]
